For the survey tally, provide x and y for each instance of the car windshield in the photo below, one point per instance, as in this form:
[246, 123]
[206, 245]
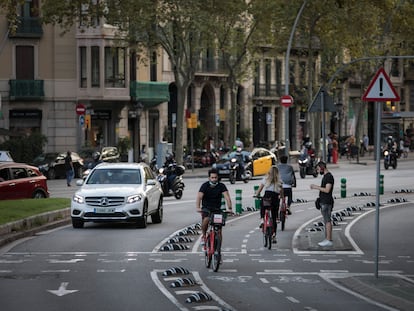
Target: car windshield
[115, 176]
[45, 157]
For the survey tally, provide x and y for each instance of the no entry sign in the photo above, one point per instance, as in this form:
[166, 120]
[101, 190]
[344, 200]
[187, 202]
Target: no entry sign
[80, 109]
[286, 101]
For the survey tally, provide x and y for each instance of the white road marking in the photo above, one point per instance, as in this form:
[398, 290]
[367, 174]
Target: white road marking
[265, 281]
[110, 271]
[294, 300]
[276, 289]
[65, 261]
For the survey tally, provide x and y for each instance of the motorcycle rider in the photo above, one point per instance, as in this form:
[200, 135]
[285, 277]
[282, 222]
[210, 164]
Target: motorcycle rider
[240, 160]
[310, 151]
[169, 166]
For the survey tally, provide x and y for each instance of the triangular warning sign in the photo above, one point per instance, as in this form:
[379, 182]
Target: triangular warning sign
[381, 89]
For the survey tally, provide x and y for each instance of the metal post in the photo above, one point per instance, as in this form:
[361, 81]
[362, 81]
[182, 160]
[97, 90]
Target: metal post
[378, 106]
[287, 71]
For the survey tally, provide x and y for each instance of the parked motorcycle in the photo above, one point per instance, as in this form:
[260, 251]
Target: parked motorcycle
[238, 171]
[307, 164]
[390, 158]
[171, 180]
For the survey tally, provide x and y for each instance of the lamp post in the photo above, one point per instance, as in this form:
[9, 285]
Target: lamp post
[259, 109]
[287, 71]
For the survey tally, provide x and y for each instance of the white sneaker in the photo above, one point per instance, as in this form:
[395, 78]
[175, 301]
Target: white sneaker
[325, 243]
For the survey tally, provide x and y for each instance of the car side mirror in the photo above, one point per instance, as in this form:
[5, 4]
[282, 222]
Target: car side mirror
[79, 182]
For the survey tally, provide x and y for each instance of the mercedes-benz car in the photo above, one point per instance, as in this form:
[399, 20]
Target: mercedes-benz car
[118, 192]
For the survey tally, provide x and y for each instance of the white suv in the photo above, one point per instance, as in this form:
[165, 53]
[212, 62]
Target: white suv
[121, 192]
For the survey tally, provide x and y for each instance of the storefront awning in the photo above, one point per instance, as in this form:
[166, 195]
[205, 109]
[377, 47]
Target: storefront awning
[150, 93]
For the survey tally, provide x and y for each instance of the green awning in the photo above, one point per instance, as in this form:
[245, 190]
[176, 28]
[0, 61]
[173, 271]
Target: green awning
[150, 93]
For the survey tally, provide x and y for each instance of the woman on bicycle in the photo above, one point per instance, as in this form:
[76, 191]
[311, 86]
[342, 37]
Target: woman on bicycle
[272, 185]
[209, 199]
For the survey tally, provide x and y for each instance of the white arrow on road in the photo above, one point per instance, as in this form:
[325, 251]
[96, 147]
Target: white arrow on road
[62, 291]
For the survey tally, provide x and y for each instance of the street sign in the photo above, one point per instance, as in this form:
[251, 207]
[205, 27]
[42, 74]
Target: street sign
[286, 101]
[81, 120]
[322, 98]
[380, 89]
[80, 109]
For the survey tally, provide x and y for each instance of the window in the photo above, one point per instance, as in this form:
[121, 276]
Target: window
[292, 65]
[83, 71]
[95, 66]
[153, 67]
[24, 62]
[30, 8]
[268, 76]
[114, 67]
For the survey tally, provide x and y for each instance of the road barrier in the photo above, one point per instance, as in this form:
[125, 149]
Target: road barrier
[256, 200]
[343, 187]
[381, 184]
[238, 201]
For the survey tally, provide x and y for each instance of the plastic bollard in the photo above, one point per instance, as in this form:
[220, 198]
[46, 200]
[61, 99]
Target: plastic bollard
[343, 187]
[238, 201]
[381, 184]
[256, 200]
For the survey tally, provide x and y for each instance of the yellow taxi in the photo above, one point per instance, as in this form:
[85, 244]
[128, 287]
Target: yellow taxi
[261, 159]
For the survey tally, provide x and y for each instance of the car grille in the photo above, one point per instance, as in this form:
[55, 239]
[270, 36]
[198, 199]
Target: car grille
[103, 215]
[104, 201]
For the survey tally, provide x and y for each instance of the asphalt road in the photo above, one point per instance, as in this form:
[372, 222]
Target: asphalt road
[118, 267]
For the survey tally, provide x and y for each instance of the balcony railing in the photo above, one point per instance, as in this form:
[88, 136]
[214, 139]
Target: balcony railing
[26, 89]
[28, 27]
[268, 90]
[211, 65]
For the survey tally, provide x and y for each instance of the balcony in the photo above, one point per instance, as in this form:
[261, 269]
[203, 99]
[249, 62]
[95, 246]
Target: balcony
[210, 66]
[26, 89]
[28, 27]
[150, 93]
[268, 90]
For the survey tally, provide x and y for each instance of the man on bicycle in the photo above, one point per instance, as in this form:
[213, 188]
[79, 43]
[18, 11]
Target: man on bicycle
[209, 200]
[287, 174]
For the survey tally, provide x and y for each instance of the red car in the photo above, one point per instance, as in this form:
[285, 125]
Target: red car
[21, 181]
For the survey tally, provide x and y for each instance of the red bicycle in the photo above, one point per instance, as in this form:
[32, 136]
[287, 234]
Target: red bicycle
[267, 228]
[213, 240]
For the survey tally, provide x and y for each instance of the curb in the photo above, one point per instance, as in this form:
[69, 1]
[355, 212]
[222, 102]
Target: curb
[30, 226]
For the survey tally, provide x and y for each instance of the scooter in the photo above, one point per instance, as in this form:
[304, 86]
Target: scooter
[237, 171]
[171, 180]
[307, 165]
[390, 158]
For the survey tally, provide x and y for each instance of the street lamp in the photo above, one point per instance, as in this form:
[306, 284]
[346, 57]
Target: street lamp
[259, 109]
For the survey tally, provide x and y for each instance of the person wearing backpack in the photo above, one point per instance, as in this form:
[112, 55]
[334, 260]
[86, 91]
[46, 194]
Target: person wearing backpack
[287, 175]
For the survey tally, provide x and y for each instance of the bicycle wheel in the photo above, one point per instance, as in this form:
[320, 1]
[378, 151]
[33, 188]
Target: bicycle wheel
[282, 217]
[216, 256]
[269, 237]
[264, 238]
[207, 252]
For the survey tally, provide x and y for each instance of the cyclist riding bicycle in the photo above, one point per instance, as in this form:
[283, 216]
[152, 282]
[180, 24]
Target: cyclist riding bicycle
[209, 200]
[272, 185]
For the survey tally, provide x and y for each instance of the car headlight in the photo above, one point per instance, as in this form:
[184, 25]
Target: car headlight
[134, 198]
[78, 199]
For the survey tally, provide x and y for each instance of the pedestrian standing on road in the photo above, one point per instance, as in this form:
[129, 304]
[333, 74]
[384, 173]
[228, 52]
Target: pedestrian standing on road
[209, 200]
[287, 175]
[69, 168]
[326, 201]
[272, 185]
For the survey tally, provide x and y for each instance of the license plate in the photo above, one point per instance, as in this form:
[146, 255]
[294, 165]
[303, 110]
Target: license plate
[218, 218]
[224, 172]
[104, 210]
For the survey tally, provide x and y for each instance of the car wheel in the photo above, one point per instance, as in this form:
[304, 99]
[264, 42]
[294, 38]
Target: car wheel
[51, 174]
[39, 195]
[77, 223]
[157, 216]
[142, 221]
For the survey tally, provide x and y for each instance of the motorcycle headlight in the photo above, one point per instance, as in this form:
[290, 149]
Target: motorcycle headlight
[161, 171]
[78, 199]
[134, 198]
[234, 160]
[386, 152]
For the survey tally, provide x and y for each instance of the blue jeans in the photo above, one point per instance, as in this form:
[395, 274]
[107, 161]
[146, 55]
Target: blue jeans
[69, 176]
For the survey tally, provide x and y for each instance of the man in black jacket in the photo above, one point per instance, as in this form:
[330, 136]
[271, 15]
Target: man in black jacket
[327, 201]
